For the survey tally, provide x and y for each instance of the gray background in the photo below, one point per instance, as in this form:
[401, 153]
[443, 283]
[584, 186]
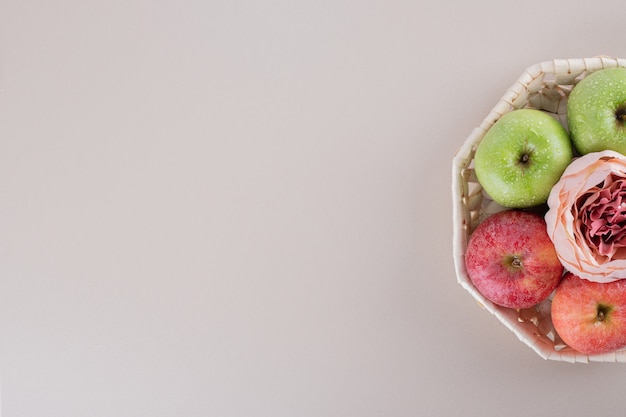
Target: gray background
[243, 208]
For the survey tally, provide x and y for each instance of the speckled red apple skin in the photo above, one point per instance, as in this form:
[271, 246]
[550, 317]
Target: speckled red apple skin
[574, 312]
[513, 233]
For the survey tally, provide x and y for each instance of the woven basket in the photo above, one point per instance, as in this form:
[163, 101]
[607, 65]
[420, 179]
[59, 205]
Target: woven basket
[543, 86]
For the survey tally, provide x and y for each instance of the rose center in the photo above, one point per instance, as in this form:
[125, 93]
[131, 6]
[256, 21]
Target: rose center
[603, 216]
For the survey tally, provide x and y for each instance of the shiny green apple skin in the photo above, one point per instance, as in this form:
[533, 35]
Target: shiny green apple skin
[521, 157]
[596, 112]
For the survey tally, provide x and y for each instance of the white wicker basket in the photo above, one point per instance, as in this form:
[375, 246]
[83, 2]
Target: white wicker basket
[544, 86]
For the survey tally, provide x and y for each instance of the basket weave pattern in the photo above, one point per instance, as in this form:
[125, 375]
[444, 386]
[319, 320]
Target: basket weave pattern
[544, 86]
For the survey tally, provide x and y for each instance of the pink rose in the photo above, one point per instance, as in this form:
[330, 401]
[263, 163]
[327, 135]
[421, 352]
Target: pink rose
[586, 219]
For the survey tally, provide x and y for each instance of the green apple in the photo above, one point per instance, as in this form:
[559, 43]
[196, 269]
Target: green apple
[521, 157]
[596, 112]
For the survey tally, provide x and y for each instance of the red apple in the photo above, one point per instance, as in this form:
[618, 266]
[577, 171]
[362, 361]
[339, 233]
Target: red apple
[511, 260]
[590, 316]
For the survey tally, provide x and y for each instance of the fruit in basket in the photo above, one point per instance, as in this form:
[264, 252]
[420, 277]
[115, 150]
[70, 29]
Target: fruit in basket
[521, 157]
[590, 316]
[511, 260]
[596, 112]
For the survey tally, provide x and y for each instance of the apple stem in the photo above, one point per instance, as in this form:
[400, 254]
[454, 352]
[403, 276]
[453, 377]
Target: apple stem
[602, 312]
[620, 115]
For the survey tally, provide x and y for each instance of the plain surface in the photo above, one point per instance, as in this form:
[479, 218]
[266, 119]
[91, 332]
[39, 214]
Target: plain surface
[242, 208]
